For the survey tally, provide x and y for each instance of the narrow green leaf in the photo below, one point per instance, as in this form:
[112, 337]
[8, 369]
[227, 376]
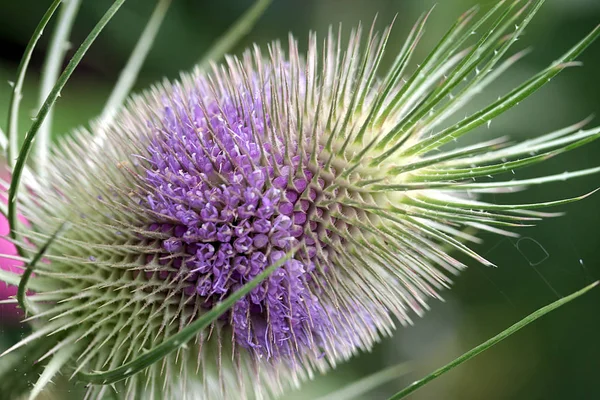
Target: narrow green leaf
[489, 343]
[21, 298]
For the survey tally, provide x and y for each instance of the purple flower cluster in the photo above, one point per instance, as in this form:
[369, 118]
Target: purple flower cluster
[228, 205]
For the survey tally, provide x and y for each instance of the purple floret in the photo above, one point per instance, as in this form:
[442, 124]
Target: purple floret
[229, 209]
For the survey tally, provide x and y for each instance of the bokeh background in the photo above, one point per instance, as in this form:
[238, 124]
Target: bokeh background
[558, 357]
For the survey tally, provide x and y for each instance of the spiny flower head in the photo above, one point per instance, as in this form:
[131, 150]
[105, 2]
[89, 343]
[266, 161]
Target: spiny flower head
[323, 162]
[226, 202]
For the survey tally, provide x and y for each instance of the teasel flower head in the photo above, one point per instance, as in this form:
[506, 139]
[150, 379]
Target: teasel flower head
[343, 174]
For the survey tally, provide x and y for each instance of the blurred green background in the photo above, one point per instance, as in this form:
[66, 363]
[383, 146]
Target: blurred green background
[556, 358]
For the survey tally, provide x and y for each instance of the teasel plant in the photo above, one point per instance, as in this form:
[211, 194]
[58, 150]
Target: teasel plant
[266, 216]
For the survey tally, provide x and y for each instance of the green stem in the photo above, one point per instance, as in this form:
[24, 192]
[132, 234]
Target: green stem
[489, 343]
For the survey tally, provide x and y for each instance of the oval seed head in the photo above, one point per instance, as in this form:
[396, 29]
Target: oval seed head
[201, 184]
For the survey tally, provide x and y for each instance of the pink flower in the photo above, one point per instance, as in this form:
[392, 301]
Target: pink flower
[8, 312]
